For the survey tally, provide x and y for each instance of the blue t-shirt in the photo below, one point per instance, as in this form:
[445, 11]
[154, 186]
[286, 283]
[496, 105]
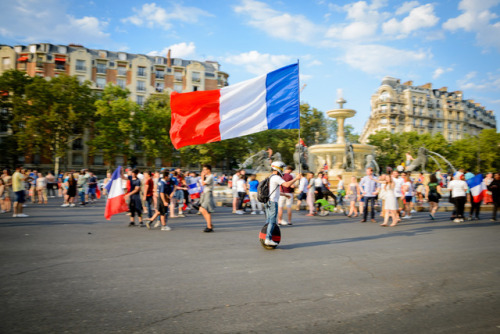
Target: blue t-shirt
[253, 186]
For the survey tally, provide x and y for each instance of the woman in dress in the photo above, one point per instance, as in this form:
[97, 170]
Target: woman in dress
[71, 192]
[391, 204]
[207, 204]
[354, 195]
[382, 192]
[433, 194]
[7, 180]
[41, 188]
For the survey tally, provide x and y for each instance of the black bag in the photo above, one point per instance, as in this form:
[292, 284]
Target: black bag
[263, 190]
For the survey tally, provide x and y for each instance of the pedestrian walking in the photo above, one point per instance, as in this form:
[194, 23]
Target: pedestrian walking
[407, 190]
[164, 191]
[354, 194]
[148, 193]
[286, 198]
[134, 196]
[494, 187]
[275, 182]
[369, 191]
[19, 191]
[303, 189]
[241, 189]
[207, 204]
[311, 190]
[433, 195]
[390, 202]
[458, 188]
[41, 188]
[253, 185]
[7, 202]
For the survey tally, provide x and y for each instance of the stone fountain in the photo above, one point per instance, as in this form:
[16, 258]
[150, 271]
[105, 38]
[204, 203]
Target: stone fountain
[342, 157]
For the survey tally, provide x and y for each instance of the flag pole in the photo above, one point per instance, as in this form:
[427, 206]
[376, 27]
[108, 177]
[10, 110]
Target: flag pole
[300, 148]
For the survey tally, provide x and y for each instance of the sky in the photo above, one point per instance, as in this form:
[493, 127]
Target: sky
[347, 45]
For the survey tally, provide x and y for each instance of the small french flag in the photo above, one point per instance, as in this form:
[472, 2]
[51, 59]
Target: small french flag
[194, 190]
[116, 197]
[477, 187]
[270, 101]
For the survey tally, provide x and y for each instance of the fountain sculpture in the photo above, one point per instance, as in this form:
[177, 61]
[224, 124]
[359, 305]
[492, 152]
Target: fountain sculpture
[341, 157]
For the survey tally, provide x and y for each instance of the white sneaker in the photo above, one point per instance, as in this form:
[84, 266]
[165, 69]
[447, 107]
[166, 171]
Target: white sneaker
[14, 215]
[65, 205]
[22, 215]
[457, 220]
[157, 224]
[72, 205]
[283, 222]
[269, 242]
[261, 213]
[3, 211]
[166, 228]
[413, 211]
[253, 213]
[240, 212]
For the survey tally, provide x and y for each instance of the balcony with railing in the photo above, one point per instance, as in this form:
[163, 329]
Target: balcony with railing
[81, 68]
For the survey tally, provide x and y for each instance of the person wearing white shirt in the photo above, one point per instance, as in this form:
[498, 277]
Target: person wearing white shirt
[275, 182]
[398, 184]
[458, 188]
[302, 195]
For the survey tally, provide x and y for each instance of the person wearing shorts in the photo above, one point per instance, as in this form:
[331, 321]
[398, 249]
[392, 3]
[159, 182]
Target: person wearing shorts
[135, 203]
[19, 192]
[286, 198]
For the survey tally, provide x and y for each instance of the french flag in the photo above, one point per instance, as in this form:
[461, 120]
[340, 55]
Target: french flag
[477, 187]
[116, 197]
[270, 101]
[194, 190]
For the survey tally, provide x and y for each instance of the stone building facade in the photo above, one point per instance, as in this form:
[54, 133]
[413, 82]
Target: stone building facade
[397, 107]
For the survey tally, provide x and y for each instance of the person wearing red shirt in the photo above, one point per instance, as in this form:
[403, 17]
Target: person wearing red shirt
[148, 193]
[286, 198]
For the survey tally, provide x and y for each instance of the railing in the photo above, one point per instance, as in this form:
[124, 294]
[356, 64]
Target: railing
[82, 68]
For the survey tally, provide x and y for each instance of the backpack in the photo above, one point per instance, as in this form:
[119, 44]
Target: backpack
[263, 190]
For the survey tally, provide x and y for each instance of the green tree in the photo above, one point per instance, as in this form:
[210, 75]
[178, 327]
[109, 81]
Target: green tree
[12, 91]
[51, 115]
[113, 125]
[152, 126]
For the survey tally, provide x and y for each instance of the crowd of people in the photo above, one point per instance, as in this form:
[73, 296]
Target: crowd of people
[164, 194]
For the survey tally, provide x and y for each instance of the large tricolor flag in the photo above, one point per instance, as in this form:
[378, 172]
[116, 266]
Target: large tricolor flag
[270, 101]
[116, 197]
[195, 190]
[477, 187]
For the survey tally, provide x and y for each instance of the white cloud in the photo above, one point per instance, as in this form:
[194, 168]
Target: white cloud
[277, 24]
[440, 71]
[259, 63]
[36, 21]
[179, 50]
[151, 15]
[380, 59]
[488, 82]
[407, 7]
[315, 62]
[477, 17]
[365, 21]
[418, 18]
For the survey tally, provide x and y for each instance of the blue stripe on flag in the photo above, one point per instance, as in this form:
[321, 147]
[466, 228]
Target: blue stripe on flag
[117, 175]
[282, 98]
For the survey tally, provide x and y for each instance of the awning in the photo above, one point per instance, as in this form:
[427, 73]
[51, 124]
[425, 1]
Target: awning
[60, 59]
[22, 59]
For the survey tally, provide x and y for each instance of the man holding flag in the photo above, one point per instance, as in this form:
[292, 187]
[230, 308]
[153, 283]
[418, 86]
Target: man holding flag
[477, 192]
[494, 187]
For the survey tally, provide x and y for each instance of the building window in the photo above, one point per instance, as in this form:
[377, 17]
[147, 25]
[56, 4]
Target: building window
[159, 74]
[195, 88]
[196, 77]
[438, 114]
[77, 144]
[421, 122]
[141, 71]
[81, 79]
[141, 86]
[140, 100]
[80, 65]
[457, 126]
[178, 88]
[383, 108]
[101, 68]
[61, 49]
[449, 125]
[178, 76]
[77, 159]
[121, 83]
[60, 65]
[100, 82]
[384, 96]
[450, 136]
[122, 56]
[122, 70]
[159, 87]
[383, 120]
[6, 63]
[177, 62]
[98, 160]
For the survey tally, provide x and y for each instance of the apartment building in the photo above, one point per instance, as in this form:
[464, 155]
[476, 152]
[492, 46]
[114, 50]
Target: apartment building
[142, 75]
[397, 107]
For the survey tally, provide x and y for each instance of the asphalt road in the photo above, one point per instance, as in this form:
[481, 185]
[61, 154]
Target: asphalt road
[68, 270]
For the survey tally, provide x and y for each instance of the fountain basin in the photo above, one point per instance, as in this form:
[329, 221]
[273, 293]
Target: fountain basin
[341, 113]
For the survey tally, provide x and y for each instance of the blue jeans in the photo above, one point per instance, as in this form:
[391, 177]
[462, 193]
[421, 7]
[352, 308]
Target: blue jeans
[367, 201]
[149, 205]
[272, 213]
[82, 196]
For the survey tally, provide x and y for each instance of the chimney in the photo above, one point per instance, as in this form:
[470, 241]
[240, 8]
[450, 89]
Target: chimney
[443, 89]
[169, 59]
[427, 85]
[408, 83]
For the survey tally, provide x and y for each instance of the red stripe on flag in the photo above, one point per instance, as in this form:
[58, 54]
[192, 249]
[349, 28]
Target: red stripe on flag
[195, 118]
[115, 205]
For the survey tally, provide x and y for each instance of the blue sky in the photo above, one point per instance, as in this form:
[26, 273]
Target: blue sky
[349, 45]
